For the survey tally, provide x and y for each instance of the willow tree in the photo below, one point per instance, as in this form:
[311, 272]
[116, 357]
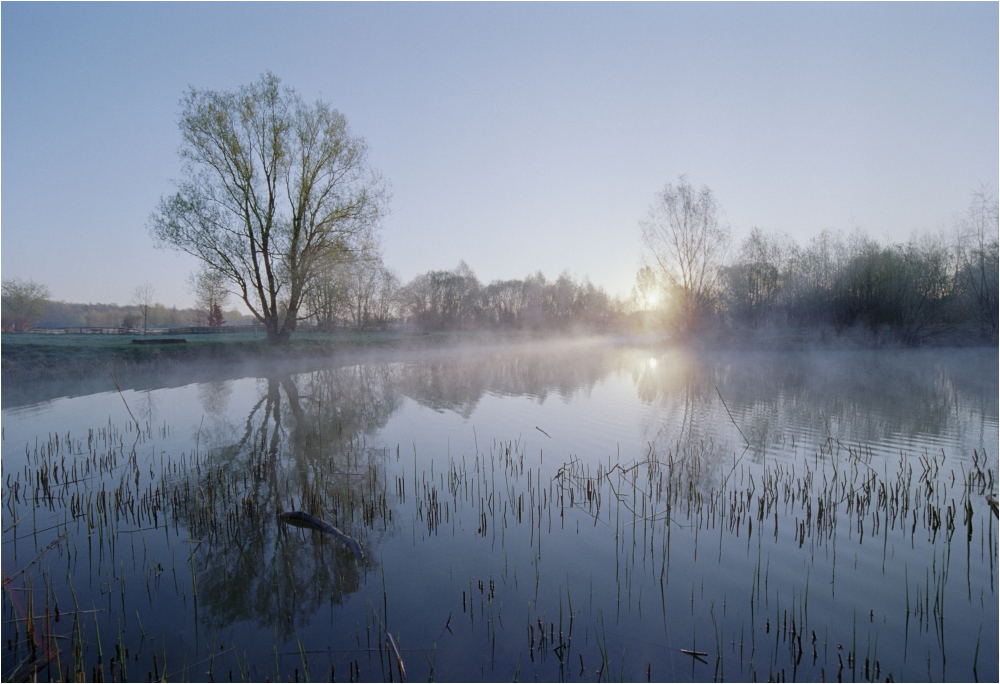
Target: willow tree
[274, 191]
[687, 241]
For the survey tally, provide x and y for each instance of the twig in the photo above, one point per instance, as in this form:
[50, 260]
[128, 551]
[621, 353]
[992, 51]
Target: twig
[731, 416]
[115, 380]
[13, 524]
[399, 660]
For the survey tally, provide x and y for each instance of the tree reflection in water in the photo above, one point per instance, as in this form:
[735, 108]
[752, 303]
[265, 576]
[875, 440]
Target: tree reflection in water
[309, 442]
[302, 447]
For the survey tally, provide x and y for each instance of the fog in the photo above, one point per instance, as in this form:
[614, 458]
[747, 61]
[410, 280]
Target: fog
[858, 395]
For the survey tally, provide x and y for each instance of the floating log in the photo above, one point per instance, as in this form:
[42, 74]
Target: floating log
[300, 519]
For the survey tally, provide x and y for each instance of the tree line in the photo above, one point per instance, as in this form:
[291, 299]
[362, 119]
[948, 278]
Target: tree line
[451, 300]
[280, 205]
[27, 305]
[912, 291]
[279, 200]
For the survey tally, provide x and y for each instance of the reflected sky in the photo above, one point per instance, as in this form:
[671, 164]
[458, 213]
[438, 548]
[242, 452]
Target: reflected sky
[593, 401]
[452, 470]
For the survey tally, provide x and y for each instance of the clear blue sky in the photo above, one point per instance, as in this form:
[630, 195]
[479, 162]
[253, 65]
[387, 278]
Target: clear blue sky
[518, 137]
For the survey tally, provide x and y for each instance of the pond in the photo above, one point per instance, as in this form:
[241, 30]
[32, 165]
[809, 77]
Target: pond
[559, 511]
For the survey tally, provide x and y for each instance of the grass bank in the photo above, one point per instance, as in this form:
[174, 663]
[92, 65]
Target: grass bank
[32, 357]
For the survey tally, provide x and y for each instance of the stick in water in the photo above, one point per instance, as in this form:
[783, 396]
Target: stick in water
[300, 519]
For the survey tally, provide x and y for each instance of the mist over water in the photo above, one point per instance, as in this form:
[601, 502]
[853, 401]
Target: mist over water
[654, 500]
[592, 400]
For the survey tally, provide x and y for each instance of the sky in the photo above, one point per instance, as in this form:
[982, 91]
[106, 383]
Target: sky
[518, 137]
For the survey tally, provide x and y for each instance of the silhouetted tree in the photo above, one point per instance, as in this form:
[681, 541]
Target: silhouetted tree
[686, 239]
[216, 317]
[142, 298]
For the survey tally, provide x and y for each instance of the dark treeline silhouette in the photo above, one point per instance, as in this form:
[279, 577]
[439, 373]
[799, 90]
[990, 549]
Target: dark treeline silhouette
[452, 300]
[912, 291]
[928, 287]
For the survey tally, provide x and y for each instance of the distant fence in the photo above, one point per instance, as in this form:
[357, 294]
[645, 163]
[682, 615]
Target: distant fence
[191, 330]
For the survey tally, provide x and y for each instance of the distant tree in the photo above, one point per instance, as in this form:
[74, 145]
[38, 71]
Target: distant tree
[215, 316]
[686, 239]
[646, 290]
[504, 302]
[927, 292]
[563, 298]
[275, 190]
[905, 290]
[979, 261]
[142, 299]
[327, 298]
[370, 289]
[385, 303]
[443, 300]
[359, 289]
[24, 302]
[130, 320]
[752, 285]
[210, 293]
[813, 273]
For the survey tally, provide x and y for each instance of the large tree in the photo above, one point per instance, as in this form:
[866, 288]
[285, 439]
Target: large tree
[686, 239]
[274, 190]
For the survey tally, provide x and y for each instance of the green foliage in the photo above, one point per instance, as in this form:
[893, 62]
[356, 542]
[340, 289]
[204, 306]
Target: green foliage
[24, 301]
[904, 289]
[274, 191]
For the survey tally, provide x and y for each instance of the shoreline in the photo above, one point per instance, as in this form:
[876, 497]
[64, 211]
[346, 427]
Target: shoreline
[34, 365]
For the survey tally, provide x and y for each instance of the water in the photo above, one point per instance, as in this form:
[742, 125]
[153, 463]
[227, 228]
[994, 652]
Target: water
[556, 511]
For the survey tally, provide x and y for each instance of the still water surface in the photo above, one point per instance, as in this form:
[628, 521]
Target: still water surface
[559, 511]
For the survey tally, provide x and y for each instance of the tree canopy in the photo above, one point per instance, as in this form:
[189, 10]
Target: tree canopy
[24, 301]
[275, 190]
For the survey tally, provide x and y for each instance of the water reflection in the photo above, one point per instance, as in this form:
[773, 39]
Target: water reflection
[795, 402]
[458, 383]
[214, 396]
[640, 453]
[302, 446]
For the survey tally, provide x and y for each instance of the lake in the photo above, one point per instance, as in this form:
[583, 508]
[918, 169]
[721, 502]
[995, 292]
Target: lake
[577, 510]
